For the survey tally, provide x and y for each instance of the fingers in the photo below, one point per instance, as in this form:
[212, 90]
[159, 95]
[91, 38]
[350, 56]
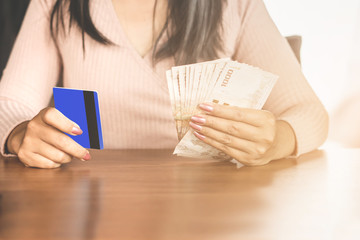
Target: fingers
[224, 138]
[250, 116]
[222, 147]
[64, 143]
[44, 143]
[56, 119]
[52, 153]
[240, 156]
[248, 135]
[238, 129]
[36, 160]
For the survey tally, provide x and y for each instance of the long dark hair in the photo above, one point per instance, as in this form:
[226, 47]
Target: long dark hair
[11, 16]
[193, 27]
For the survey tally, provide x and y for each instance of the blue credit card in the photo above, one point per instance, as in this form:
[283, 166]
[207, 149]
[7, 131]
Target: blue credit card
[81, 107]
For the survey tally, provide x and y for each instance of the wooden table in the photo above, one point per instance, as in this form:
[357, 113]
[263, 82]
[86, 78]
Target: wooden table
[149, 194]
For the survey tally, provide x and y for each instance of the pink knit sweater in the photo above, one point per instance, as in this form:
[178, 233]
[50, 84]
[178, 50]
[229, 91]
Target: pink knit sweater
[133, 96]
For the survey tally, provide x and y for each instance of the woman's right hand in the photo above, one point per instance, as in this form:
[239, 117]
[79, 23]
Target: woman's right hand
[41, 142]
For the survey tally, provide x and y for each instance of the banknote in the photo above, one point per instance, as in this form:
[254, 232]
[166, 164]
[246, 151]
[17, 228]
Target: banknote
[223, 82]
[187, 87]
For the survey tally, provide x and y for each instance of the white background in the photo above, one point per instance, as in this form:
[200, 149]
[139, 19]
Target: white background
[331, 42]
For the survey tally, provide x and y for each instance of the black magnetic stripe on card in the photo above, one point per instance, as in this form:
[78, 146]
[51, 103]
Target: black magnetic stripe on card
[91, 119]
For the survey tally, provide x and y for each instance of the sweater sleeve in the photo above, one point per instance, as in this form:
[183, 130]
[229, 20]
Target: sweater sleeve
[259, 43]
[31, 72]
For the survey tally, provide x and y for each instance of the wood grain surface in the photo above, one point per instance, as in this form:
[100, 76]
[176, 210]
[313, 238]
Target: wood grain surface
[150, 194]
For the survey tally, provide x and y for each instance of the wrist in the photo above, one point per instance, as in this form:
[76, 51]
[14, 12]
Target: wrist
[15, 138]
[285, 141]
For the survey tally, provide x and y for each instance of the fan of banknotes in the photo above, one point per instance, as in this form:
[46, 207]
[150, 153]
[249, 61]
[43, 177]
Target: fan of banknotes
[222, 82]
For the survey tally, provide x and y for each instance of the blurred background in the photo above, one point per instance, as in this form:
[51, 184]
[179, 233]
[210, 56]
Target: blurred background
[330, 56]
[330, 52]
[331, 47]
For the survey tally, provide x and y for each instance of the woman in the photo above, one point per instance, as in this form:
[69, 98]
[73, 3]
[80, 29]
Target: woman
[121, 48]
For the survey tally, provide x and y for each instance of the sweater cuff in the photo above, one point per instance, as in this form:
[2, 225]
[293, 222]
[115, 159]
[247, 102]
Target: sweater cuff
[12, 114]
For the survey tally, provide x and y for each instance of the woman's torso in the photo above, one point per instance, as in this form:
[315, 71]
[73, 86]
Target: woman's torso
[133, 96]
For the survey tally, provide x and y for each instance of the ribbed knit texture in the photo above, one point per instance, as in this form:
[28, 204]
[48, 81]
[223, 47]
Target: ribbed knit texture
[134, 102]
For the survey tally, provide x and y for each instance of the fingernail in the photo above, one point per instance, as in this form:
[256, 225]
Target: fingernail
[195, 126]
[76, 131]
[87, 157]
[206, 107]
[198, 135]
[56, 165]
[198, 119]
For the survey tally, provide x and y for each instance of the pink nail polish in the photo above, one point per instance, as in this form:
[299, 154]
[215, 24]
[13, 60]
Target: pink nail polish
[195, 126]
[198, 119]
[198, 135]
[206, 107]
[87, 157]
[76, 131]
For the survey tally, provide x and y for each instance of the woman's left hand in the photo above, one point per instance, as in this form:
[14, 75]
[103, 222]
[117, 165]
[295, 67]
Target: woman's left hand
[253, 137]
